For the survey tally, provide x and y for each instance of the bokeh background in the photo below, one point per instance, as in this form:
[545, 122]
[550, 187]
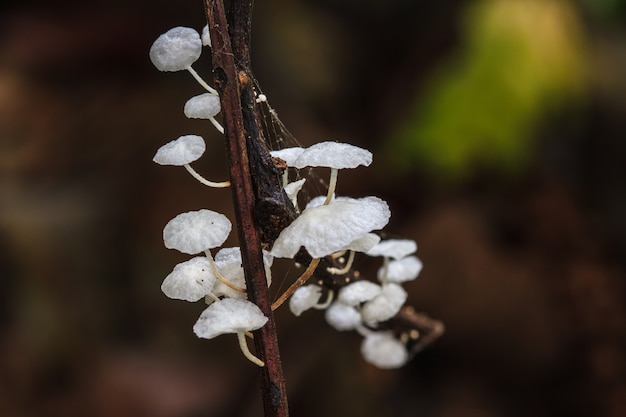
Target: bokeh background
[498, 129]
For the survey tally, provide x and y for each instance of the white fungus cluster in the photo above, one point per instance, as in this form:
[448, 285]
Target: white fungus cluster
[328, 227]
[220, 281]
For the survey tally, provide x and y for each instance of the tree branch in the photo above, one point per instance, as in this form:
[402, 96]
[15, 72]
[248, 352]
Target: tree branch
[235, 86]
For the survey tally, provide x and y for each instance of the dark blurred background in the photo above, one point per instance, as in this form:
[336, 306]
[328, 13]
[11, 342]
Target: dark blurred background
[498, 129]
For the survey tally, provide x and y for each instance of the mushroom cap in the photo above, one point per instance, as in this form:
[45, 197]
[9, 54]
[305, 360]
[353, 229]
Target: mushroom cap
[196, 231]
[333, 155]
[203, 106]
[385, 305]
[342, 317]
[304, 298]
[400, 270]
[394, 248]
[358, 292]
[383, 350]
[176, 49]
[190, 280]
[289, 155]
[229, 315]
[325, 229]
[181, 151]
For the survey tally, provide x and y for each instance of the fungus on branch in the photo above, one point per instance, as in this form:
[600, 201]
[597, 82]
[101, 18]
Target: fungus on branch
[333, 155]
[204, 106]
[326, 229]
[199, 231]
[231, 315]
[182, 152]
[396, 249]
[191, 280]
[176, 50]
[383, 350]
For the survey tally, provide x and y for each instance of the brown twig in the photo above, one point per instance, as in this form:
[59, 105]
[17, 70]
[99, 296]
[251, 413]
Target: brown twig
[297, 284]
[235, 87]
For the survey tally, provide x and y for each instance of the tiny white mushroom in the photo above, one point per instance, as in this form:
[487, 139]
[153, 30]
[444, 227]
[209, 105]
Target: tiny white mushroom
[191, 280]
[394, 248]
[304, 298]
[176, 50]
[385, 305]
[194, 232]
[383, 350]
[333, 155]
[325, 229]
[358, 292]
[204, 106]
[342, 317]
[198, 231]
[401, 270]
[182, 152]
[231, 315]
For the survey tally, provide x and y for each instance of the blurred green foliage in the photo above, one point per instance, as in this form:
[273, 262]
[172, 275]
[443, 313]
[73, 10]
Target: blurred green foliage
[520, 61]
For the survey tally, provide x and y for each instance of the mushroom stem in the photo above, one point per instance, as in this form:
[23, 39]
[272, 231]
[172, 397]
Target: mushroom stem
[346, 267]
[241, 336]
[297, 284]
[217, 124]
[285, 177]
[331, 185]
[212, 297]
[221, 277]
[385, 268]
[201, 81]
[327, 302]
[204, 181]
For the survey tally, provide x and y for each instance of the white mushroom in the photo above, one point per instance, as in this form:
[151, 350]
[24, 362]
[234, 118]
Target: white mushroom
[401, 270]
[385, 305]
[231, 315]
[182, 152]
[329, 228]
[194, 232]
[176, 50]
[394, 248]
[204, 106]
[342, 317]
[304, 298]
[191, 280]
[333, 155]
[383, 350]
[199, 231]
[358, 292]
[326, 229]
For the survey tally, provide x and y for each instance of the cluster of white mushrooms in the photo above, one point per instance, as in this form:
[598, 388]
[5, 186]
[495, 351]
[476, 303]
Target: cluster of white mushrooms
[328, 227]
